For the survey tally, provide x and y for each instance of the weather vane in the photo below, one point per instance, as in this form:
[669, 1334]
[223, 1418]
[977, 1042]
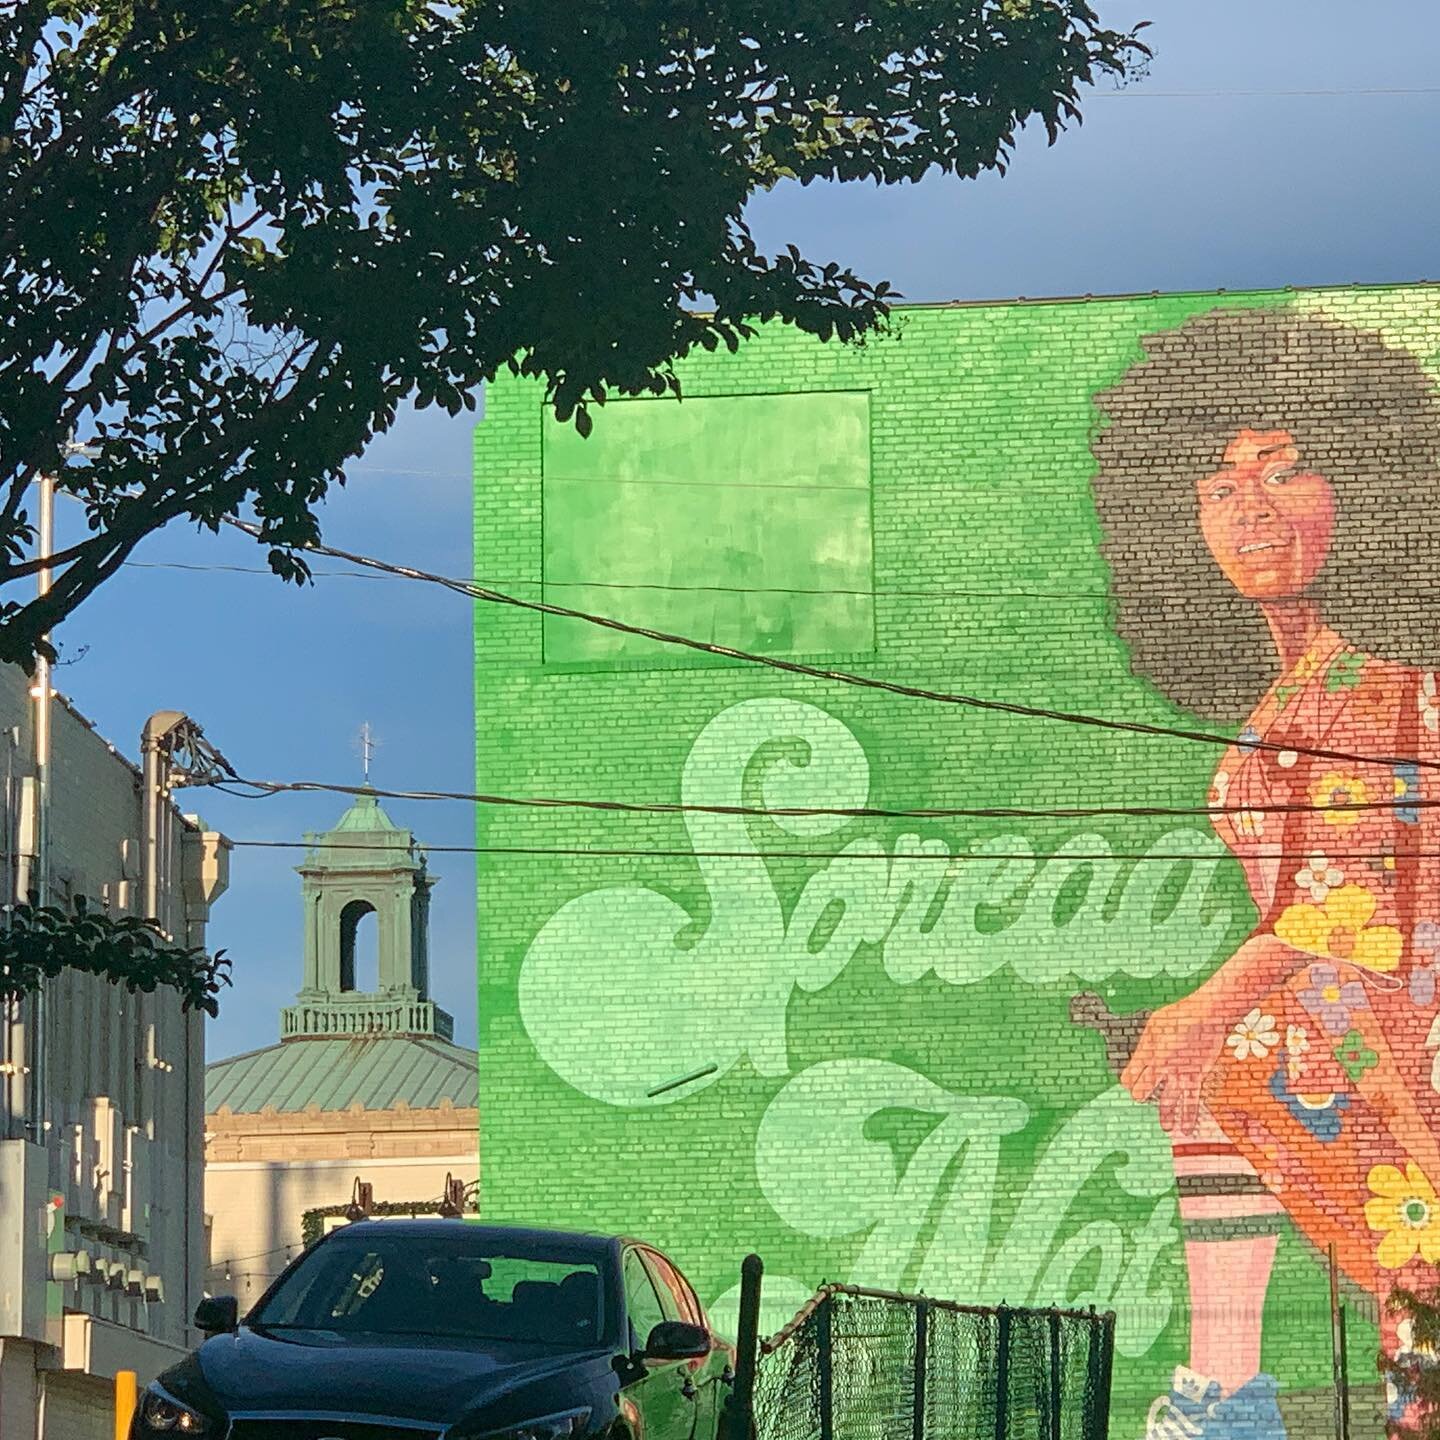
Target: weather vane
[366, 744]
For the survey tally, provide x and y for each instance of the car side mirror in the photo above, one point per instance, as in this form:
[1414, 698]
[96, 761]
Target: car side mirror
[217, 1315]
[677, 1340]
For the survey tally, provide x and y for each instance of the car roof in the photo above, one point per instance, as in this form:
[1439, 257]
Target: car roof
[522, 1235]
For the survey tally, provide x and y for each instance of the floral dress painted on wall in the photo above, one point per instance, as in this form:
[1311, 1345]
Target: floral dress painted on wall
[1328, 1086]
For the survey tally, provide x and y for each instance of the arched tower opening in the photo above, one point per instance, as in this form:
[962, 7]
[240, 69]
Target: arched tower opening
[359, 947]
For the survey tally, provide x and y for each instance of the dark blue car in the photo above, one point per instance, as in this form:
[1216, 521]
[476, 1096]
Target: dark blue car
[422, 1329]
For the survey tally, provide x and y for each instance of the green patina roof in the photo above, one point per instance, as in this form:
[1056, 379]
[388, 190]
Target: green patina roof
[378, 1071]
[365, 814]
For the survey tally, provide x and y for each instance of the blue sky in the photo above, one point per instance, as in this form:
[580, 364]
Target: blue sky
[1247, 183]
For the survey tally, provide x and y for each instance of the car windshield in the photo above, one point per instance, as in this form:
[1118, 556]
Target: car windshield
[462, 1286]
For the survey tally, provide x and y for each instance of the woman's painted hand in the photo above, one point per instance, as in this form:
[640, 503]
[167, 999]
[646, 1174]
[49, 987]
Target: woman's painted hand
[1178, 1048]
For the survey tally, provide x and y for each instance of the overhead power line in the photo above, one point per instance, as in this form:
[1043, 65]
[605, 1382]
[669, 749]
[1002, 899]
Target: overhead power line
[1140, 93]
[856, 812]
[922, 857]
[863, 592]
[843, 677]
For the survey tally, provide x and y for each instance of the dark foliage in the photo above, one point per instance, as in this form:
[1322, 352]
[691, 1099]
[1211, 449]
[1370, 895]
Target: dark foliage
[1414, 1373]
[236, 235]
[38, 942]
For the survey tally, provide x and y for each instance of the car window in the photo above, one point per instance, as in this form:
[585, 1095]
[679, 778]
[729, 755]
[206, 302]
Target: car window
[364, 1280]
[675, 1292]
[441, 1286]
[642, 1304]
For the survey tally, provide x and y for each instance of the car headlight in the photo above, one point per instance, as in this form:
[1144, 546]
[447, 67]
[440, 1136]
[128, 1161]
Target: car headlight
[162, 1414]
[559, 1426]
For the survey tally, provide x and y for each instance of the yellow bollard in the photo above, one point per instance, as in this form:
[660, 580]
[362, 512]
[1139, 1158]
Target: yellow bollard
[125, 1392]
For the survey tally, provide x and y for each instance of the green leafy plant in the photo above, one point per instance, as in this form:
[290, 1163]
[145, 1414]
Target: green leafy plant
[37, 942]
[237, 235]
[1412, 1374]
[312, 1223]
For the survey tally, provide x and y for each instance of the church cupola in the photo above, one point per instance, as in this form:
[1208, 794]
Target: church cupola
[367, 865]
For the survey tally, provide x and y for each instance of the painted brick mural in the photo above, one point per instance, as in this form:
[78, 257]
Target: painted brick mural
[1158, 1062]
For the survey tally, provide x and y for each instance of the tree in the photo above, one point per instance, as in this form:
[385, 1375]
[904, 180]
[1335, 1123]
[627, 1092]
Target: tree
[236, 235]
[1411, 1374]
[37, 942]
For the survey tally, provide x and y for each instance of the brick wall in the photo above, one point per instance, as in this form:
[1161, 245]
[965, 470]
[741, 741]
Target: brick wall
[871, 1019]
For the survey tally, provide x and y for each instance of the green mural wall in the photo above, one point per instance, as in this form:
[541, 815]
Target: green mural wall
[888, 1084]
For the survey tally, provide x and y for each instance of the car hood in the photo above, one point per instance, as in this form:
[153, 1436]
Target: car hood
[410, 1378]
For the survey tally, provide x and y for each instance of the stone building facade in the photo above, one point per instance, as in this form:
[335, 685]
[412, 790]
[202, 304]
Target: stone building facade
[101, 1168]
[365, 1084]
[893, 999]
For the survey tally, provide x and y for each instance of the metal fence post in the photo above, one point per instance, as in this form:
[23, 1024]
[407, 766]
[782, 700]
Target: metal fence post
[922, 1347]
[1097, 1377]
[1107, 1371]
[737, 1420]
[1344, 1374]
[1337, 1352]
[1002, 1374]
[1055, 1377]
[1094, 1368]
[825, 1355]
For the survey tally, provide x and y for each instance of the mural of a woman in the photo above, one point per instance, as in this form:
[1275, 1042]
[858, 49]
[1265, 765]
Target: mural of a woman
[1267, 492]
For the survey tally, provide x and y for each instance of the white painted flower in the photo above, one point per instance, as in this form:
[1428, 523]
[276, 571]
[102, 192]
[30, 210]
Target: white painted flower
[1429, 701]
[1318, 876]
[1254, 1037]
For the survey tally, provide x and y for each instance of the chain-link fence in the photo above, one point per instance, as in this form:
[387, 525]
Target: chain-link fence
[859, 1364]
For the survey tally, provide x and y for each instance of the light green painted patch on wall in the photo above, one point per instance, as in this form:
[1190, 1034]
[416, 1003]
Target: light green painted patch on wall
[742, 520]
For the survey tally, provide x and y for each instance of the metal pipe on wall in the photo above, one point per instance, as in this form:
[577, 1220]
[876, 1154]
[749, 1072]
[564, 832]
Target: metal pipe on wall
[41, 693]
[157, 895]
[12, 1032]
[155, 811]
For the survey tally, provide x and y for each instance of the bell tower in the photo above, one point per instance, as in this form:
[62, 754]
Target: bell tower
[367, 865]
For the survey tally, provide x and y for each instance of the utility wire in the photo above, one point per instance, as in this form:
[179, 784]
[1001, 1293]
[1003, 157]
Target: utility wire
[932, 812]
[1139, 93]
[865, 592]
[258, 1255]
[546, 583]
[928, 857]
[979, 489]
[868, 682]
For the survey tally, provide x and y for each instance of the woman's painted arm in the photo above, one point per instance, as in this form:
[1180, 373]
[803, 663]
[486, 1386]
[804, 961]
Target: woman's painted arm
[1181, 1042]
[1261, 965]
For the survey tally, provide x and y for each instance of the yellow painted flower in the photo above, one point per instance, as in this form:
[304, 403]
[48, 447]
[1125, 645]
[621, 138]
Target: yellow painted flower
[1404, 1209]
[1341, 930]
[1333, 788]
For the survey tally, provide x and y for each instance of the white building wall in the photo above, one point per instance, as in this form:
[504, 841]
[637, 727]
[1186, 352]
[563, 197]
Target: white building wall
[257, 1207]
[118, 1161]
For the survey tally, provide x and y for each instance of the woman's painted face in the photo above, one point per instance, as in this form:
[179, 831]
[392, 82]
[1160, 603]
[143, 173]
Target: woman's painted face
[1267, 518]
